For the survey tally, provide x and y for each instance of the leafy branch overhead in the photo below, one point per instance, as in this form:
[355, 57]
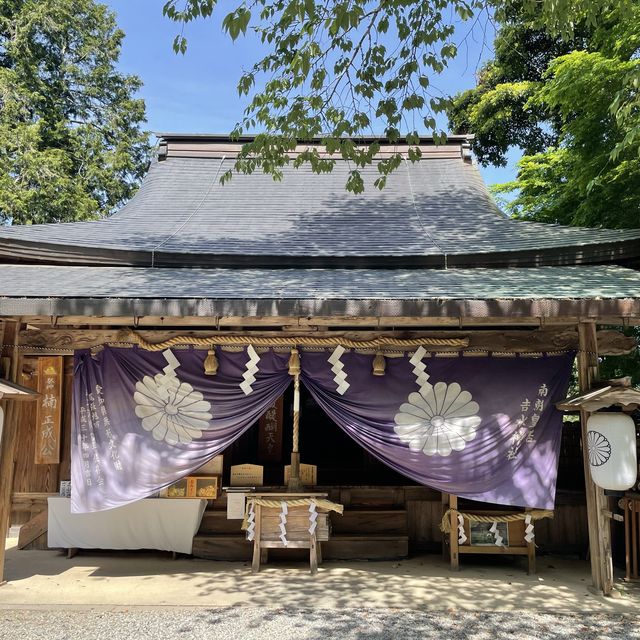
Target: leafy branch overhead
[344, 69]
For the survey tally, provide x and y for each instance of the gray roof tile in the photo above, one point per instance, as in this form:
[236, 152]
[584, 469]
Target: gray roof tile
[583, 282]
[434, 207]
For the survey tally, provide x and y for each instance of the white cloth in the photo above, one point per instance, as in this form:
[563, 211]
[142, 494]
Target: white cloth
[163, 524]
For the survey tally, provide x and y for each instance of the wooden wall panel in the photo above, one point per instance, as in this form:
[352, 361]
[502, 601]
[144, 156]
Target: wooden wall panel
[423, 523]
[29, 477]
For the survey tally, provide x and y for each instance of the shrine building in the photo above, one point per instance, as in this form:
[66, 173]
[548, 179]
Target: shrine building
[282, 368]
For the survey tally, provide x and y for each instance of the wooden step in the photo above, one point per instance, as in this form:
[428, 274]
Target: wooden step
[365, 522]
[365, 547]
[215, 521]
[222, 547]
[339, 547]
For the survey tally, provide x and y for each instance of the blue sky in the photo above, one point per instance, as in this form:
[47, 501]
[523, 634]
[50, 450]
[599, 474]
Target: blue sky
[197, 92]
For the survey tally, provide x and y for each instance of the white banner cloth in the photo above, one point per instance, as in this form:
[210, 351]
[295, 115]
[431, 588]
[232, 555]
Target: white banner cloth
[156, 523]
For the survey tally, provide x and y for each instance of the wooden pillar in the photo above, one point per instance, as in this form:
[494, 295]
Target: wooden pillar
[9, 441]
[255, 564]
[453, 533]
[597, 502]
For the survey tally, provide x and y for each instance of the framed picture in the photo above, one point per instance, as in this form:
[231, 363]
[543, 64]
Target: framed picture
[193, 487]
[481, 536]
[204, 487]
[177, 489]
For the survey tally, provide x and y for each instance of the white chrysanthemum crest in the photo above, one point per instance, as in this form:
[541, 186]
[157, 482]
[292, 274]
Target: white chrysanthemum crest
[171, 409]
[438, 419]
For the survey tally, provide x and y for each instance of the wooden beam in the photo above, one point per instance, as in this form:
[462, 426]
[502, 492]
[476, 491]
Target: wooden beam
[8, 443]
[215, 322]
[597, 503]
[47, 341]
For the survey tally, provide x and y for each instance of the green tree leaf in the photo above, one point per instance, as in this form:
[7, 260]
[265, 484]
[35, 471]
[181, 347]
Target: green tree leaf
[71, 143]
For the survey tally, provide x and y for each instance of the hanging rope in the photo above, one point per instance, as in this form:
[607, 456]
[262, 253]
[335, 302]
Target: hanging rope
[300, 341]
[536, 514]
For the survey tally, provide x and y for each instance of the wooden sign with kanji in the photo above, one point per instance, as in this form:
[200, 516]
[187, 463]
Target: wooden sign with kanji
[49, 414]
[270, 433]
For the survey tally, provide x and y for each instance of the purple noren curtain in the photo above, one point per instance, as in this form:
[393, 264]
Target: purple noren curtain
[483, 428]
[142, 420]
[478, 427]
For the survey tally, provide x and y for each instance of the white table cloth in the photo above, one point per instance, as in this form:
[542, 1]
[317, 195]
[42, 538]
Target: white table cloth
[163, 524]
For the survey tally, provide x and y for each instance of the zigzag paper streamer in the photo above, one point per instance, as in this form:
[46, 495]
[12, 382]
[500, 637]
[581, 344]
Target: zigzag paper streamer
[340, 377]
[172, 363]
[284, 510]
[462, 536]
[170, 376]
[313, 517]
[252, 368]
[528, 531]
[496, 535]
[251, 524]
[419, 367]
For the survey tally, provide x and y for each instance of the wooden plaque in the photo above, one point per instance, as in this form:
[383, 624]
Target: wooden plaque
[270, 433]
[308, 474]
[49, 414]
[247, 475]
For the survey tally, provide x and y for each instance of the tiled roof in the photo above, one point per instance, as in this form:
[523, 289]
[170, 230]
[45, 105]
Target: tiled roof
[432, 213]
[63, 290]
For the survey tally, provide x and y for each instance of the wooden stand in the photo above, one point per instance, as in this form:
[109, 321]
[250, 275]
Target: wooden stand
[267, 529]
[517, 544]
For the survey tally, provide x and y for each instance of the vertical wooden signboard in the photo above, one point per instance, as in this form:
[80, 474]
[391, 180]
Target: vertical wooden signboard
[49, 415]
[270, 433]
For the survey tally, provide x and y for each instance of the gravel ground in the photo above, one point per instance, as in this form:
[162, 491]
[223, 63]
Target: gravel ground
[246, 623]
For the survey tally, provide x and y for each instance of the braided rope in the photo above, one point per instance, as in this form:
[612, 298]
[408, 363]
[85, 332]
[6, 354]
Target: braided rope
[296, 416]
[536, 514]
[299, 341]
[321, 503]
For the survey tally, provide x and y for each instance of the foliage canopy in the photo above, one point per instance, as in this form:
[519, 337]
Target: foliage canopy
[71, 144]
[573, 106]
[341, 69]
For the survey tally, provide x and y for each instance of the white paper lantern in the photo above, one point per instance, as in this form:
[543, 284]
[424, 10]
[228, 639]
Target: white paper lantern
[611, 443]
